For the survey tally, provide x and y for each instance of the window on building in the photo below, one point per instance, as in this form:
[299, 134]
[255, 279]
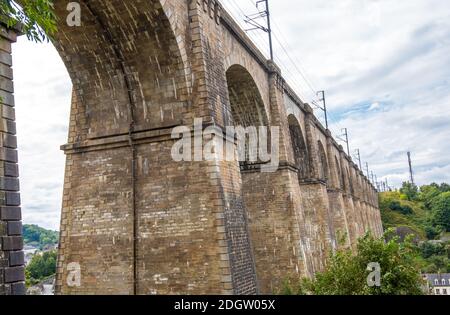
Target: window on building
[436, 281]
[443, 281]
[444, 292]
[438, 292]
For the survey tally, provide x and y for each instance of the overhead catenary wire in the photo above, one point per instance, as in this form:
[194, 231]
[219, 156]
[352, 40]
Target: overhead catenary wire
[291, 78]
[295, 76]
[297, 66]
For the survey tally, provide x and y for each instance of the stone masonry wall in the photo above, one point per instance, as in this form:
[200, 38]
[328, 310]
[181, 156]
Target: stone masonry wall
[133, 220]
[12, 275]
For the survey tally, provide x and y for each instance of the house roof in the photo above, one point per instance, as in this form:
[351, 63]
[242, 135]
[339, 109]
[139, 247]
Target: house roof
[431, 278]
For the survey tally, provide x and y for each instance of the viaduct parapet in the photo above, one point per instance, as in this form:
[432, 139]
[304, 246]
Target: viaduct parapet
[133, 220]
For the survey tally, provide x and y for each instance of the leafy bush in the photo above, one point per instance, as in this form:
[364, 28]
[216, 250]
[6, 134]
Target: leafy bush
[41, 267]
[410, 190]
[396, 206]
[432, 232]
[429, 249]
[346, 273]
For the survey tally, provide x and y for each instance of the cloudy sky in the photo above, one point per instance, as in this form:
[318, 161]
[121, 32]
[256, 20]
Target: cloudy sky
[384, 64]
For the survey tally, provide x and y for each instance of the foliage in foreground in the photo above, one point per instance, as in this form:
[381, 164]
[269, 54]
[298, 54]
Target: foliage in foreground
[347, 274]
[41, 267]
[36, 17]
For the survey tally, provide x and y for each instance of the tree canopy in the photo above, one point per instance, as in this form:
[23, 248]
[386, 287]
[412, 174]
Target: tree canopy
[441, 211]
[36, 18]
[41, 267]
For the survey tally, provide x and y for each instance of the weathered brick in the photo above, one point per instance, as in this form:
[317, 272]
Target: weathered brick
[18, 288]
[10, 141]
[9, 184]
[14, 274]
[14, 228]
[8, 155]
[11, 213]
[12, 199]
[16, 258]
[12, 243]
[11, 169]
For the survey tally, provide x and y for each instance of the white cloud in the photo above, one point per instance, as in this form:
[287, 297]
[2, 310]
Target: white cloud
[42, 92]
[374, 106]
[384, 64]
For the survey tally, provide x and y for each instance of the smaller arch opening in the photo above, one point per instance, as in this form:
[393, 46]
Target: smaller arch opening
[323, 163]
[247, 111]
[300, 151]
[350, 183]
[339, 174]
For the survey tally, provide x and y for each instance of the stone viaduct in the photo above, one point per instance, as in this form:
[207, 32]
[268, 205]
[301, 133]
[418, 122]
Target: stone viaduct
[137, 222]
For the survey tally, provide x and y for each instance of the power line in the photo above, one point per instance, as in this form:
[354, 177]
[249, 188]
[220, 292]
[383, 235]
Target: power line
[292, 78]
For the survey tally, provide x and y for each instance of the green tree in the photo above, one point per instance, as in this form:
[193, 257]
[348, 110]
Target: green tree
[346, 273]
[410, 190]
[41, 267]
[39, 237]
[441, 211]
[429, 249]
[397, 206]
[428, 193]
[444, 187]
[36, 18]
[432, 232]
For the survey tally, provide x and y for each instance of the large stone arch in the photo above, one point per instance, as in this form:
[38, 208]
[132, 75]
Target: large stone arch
[246, 104]
[126, 66]
[299, 148]
[132, 84]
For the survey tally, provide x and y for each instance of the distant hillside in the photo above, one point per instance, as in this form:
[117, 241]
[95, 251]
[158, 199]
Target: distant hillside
[41, 238]
[425, 211]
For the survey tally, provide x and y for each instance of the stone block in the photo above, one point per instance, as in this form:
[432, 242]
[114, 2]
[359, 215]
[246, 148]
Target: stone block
[14, 274]
[11, 213]
[7, 98]
[3, 228]
[10, 141]
[18, 288]
[9, 183]
[12, 243]
[5, 58]
[8, 155]
[11, 169]
[14, 228]
[16, 258]
[12, 199]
